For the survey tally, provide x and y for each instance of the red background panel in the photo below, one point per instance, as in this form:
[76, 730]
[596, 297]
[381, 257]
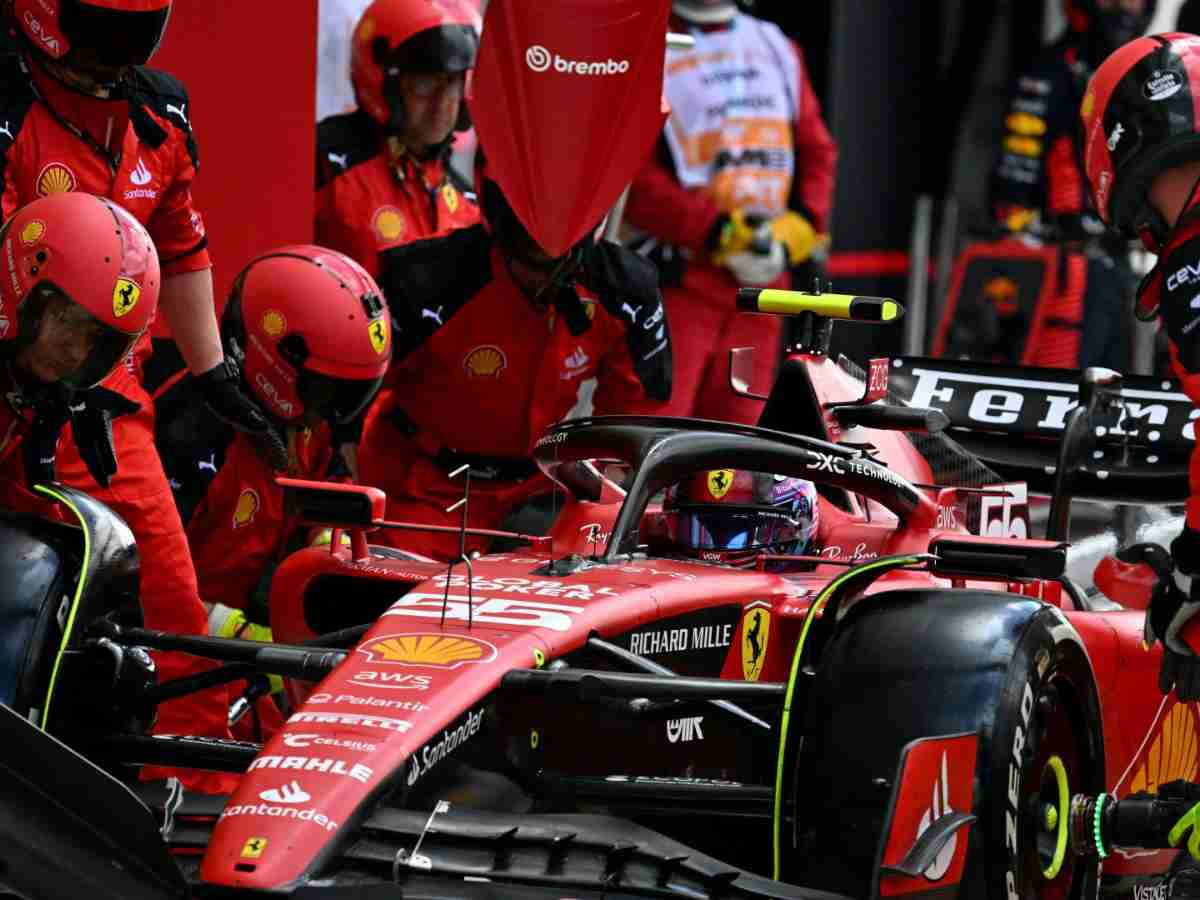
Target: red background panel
[251, 73]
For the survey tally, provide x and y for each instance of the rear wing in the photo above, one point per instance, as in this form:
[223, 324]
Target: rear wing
[1013, 419]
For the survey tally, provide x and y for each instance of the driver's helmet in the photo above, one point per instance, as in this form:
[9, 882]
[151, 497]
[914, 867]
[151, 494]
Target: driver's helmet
[85, 267]
[732, 515]
[312, 334]
[1138, 121]
[87, 33]
[1105, 28]
[397, 36]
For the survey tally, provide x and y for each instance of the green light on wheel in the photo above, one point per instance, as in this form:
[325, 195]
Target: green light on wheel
[1050, 818]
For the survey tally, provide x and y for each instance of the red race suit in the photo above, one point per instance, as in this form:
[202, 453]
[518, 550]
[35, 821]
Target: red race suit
[1174, 285]
[227, 496]
[756, 142]
[479, 373]
[41, 153]
[371, 197]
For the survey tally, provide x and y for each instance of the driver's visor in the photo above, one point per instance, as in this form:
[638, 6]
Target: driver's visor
[115, 37]
[731, 527]
[69, 345]
[334, 400]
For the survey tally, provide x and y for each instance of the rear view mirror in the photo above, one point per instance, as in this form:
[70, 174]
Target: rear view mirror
[333, 505]
[741, 372]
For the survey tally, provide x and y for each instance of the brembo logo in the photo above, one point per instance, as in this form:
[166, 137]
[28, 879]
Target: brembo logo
[540, 59]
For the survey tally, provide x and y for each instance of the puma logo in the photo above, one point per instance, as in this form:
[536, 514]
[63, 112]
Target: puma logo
[7, 130]
[180, 111]
[435, 314]
[341, 160]
[211, 465]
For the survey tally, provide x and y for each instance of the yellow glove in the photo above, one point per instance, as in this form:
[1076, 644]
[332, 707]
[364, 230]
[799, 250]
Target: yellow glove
[736, 237]
[226, 622]
[796, 234]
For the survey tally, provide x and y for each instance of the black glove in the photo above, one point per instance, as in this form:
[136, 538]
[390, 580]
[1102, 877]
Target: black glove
[92, 414]
[1172, 605]
[221, 387]
[40, 442]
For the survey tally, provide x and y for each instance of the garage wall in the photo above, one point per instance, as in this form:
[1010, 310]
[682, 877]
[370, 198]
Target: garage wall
[250, 72]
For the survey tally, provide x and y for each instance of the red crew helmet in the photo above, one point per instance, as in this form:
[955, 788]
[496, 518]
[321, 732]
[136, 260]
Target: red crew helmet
[398, 36]
[312, 333]
[111, 33]
[1139, 119]
[89, 263]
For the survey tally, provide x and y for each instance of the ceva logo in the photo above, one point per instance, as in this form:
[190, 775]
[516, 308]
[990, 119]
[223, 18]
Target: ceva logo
[540, 59]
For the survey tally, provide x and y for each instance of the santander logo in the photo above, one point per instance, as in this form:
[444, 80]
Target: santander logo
[939, 806]
[539, 59]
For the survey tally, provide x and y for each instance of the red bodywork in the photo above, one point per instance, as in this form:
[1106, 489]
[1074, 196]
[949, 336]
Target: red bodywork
[415, 688]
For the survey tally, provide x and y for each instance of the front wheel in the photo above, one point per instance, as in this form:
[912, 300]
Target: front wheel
[907, 665]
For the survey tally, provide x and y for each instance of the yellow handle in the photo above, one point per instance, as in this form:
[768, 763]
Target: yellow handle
[832, 306]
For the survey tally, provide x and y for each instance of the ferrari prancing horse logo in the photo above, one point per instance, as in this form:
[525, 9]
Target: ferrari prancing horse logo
[756, 628]
[125, 297]
[719, 482]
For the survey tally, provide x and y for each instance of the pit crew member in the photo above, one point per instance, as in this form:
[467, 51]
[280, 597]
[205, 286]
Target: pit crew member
[737, 190]
[310, 333]
[1142, 157]
[1039, 175]
[383, 171]
[80, 111]
[733, 515]
[493, 337]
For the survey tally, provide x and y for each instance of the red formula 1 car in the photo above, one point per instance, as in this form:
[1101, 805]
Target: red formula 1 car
[928, 706]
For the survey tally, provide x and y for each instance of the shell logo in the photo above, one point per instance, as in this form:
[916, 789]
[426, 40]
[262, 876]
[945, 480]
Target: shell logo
[1089, 105]
[33, 231]
[388, 223]
[487, 361]
[450, 196]
[246, 509]
[55, 179]
[273, 323]
[440, 651]
[378, 331]
[1173, 753]
[125, 297]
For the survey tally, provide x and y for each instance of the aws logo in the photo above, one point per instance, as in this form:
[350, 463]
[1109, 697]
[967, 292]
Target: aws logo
[1173, 753]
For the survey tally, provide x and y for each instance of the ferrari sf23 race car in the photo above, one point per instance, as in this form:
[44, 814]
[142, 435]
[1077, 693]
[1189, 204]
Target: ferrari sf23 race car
[924, 705]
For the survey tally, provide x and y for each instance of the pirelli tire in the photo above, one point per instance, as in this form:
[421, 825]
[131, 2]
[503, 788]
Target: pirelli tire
[904, 665]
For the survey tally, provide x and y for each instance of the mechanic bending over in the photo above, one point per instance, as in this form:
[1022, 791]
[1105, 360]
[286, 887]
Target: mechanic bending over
[510, 332]
[79, 111]
[733, 195]
[309, 330]
[1142, 155]
[1038, 176]
[733, 515]
[383, 172]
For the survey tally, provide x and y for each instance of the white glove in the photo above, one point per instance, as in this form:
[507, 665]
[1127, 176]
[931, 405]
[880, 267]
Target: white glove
[757, 269]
